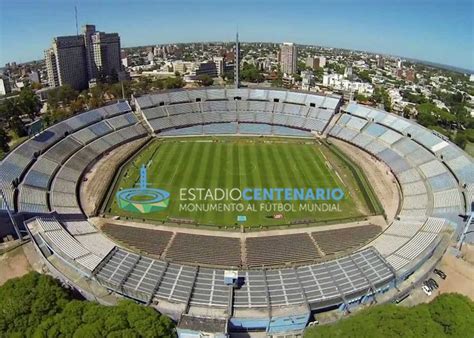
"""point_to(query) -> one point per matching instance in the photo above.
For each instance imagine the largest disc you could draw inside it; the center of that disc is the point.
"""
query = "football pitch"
(180, 164)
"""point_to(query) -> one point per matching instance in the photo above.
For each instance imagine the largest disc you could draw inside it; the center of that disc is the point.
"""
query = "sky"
(438, 31)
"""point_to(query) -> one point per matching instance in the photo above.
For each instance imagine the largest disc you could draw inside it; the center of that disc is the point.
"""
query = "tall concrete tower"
(237, 62)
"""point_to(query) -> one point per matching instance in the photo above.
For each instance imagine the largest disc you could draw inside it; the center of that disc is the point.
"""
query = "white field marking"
(328, 165)
(174, 173)
(334, 170)
(337, 174)
(323, 155)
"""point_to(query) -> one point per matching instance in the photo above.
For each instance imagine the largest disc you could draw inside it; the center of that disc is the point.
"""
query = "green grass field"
(469, 148)
(244, 162)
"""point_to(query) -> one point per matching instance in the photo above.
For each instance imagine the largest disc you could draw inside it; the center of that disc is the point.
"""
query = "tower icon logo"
(143, 199)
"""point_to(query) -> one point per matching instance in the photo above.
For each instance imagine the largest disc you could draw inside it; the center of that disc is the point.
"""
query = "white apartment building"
(307, 79)
(4, 86)
(337, 81)
(220, 64)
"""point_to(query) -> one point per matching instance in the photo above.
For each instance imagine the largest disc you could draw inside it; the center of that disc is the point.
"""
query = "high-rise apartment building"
(380, 62)
(288, 55)
(220, 65)
(321, 61)
(67, 53)
(312, 62)
(399, 64)
(75, 60)
(4, 86)
(410, 75)
(51, 67)
(315, 62)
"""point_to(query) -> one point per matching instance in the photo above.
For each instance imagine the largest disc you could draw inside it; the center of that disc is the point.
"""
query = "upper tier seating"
(216, 106)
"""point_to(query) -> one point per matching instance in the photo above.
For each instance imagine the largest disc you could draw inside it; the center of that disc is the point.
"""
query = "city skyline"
(444, 34)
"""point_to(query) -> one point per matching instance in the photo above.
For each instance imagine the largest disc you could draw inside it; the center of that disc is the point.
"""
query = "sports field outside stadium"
(179, 164)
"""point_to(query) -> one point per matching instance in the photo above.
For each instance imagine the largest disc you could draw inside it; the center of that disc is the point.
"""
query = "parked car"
(402, 298)
(429, 285)
(433, 282)
(426, 290)
(440, 273)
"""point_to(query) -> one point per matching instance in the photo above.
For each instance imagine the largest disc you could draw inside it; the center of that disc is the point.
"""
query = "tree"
(36, 305)
(9, 108)
(318, 74)
(64, 94)
(174, 82)
(4, 139)
(96, 96)
(361, 98)
(381, 96)
(429, 114)
(448, 315)
(278, 81)
(13, 109)
(28, 102)
(414, 98)
(229, 75)
(127, 319)
(17, 126)
(36, 85)
(205, 80)
(406, 111)
(142, 86)
(25, 302)
(116, 89)
(300, 66)
(251, 73)
(469, 134)
(55, 115)
(336, 68)
(364, 75)
(460, 139)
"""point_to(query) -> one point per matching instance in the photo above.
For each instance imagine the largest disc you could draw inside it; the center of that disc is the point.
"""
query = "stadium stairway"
(170, 243)
(243, 252)
(143, 122)
(331, 123)
(318, 248)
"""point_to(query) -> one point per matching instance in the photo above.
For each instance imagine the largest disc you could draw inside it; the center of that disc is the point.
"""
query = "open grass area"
(229, 163)
(470, 148)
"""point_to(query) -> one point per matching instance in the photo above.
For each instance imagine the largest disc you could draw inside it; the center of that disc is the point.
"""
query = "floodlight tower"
(237, 61)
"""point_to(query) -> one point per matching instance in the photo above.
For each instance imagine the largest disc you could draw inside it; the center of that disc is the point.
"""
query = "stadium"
(100, 195)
